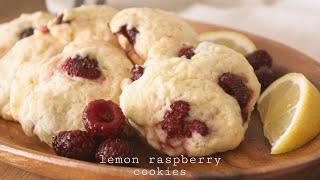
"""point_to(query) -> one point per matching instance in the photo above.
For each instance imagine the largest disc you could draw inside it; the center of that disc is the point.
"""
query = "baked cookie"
(65, 84)
(19, 28)
(32, 49)
(137, 29)
(85, 22)
(191, 100)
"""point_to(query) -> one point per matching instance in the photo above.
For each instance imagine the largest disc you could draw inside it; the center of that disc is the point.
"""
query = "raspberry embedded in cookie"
(59, 19)
(44, 29)
(130, 34)
(137, 72)
(186, 51)
(84, 67)
(103, 118)
(234, 86)
(26, 33)
(195, 126)
(175, 126)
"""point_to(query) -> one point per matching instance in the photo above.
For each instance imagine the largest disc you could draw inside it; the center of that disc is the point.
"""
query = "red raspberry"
(195, 126)
(234, 86)
(130, 34)
(114, 148)
(265, 76)
(259, 58)
(175, 126)
(84, 67)
(103, 118)
(26, 33)
(186, 51)
(137, 72)
(44, 29)
(74, 144)
(59, 19)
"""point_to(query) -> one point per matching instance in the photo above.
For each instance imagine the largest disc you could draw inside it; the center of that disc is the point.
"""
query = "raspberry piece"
(84, 67)
(265, 76)
(103, 118)
(130, 34)
(259, 58)
(178, 111)
(59, 19)
(173, 118)
(234, 86)
(137, 72)
(175, 126)
(114, 148)
(26, 33)
(186, 51)
(195, 126)
(74, 144)
(44, 29)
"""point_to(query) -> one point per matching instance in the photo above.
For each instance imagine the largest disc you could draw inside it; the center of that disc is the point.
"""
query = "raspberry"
(265, 76)
(179, 111)
(175, 126)
(74, 144)
(59, 19)
(130, 34)
(195, 126)
(84, 67)
(44, 29)
(114, 148)
(103, 118)
(259, 58)
(26, 33)
(137, 72)
(186, 51)
(234, 86)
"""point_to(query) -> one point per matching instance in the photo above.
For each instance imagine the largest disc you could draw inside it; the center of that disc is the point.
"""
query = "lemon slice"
(289, 110)
(234, 40)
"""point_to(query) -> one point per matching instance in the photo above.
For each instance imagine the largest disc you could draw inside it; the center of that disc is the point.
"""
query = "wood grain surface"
(250, 160)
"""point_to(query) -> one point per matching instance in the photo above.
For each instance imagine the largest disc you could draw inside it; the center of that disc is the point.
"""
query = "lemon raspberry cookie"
(191, 100)
(137, 29)
(85, 22)
(32, 49)
(21, 27)
(65, 84)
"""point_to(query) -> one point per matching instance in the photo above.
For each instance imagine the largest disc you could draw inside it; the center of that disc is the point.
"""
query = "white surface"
(295, 23)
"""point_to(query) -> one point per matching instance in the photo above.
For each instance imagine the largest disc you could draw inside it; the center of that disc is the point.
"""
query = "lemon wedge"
(231, 39)
(289, 110)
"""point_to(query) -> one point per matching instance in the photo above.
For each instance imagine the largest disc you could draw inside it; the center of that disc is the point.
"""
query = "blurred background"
(295, 23)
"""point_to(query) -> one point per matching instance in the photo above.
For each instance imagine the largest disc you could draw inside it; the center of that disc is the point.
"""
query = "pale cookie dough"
(167, 79)
(85, 22)
(19, 28)
(32, 49)
(146, 26)
(56, 102)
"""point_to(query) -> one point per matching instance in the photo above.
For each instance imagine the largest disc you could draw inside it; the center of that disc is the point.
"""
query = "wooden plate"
(251, 159)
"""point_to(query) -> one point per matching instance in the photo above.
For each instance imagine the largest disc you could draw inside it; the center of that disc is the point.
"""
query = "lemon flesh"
(231, 39)
(289, 112)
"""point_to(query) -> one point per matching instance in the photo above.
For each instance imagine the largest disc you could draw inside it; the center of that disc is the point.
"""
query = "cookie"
(137, 29)
(190, 100)
(65, 84)
(19, 28)
(32, 49)
(85, 22)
